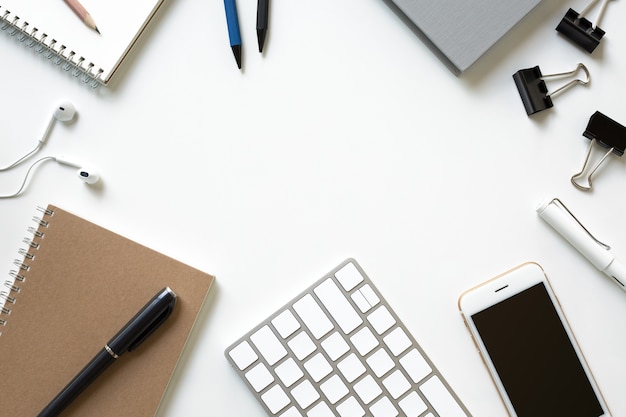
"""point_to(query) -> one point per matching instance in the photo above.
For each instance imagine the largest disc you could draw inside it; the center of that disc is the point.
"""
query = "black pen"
(145, 322)
(262, 12)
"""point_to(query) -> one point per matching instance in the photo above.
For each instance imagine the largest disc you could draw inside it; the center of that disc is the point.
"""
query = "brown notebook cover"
(81, 286)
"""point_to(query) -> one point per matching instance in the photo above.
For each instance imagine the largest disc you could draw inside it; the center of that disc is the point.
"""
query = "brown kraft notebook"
(77, 285)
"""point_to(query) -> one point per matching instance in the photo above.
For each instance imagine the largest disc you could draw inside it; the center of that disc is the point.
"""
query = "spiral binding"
(49, 47)
(12, 287)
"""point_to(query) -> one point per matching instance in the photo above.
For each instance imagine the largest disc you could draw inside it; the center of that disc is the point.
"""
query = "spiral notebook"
(75, 287)
(52, 29)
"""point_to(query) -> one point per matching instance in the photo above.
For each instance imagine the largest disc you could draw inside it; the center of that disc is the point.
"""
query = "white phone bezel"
(505, 286)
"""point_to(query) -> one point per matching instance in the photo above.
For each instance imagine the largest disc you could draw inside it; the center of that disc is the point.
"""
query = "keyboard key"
(365, 298)
(367, 389)
(302, 345)
(413, 405)
(415, 365)
(292, 412)
(243, 355)
(361, 302)
(313, 316)
(348, 276)
(351, 367)
(335, 346)
(320, 410)
(338, 306)
(285, 324)
(380, 362)
(383, 408)
(364, 341)
(289, 372)
(369, 295)
(268, 344)
(305, 394)
(396, 384)
(334, 389)
(275, 399)
(441, 399)
(350, 408)
(381, 320)
(259, 377)
(397, 341)
(318, 367)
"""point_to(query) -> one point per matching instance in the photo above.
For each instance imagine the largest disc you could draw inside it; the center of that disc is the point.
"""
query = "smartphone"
(530, 351)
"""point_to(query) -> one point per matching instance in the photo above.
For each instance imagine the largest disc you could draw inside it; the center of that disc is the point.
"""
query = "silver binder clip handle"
(600, 13)
(573, 82)
(580, 174)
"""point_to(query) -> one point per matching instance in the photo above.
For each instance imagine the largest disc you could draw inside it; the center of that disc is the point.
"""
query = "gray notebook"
(461, 31)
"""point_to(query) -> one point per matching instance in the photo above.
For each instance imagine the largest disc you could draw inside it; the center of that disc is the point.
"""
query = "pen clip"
(560, 203)
(155, 325)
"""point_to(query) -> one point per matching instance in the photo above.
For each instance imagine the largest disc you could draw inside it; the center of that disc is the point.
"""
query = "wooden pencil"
(82, 13)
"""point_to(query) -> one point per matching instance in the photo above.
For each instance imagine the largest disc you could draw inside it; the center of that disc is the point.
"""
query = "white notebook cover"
(120, 23)
(461, 31)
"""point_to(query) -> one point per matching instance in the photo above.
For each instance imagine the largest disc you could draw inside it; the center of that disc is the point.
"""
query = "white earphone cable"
(46, 158)
(25, 157)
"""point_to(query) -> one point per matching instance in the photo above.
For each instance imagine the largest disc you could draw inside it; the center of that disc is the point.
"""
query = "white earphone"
(85, 173)
(64, 112)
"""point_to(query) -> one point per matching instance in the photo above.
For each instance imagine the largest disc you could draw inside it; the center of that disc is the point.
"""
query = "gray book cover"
(461, 31)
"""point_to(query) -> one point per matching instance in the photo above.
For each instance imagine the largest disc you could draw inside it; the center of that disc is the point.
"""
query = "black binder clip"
(608, 134)
(581, 31)
(534, 92)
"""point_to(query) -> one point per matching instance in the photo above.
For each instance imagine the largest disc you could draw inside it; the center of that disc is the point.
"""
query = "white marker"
(563, 221)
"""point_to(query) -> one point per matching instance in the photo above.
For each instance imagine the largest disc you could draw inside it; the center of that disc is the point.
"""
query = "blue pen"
(233, 29)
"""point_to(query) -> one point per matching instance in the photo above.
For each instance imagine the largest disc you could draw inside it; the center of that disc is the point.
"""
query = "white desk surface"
(346, 138)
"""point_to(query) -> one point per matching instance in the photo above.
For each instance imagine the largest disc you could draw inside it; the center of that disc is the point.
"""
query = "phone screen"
(534, 357)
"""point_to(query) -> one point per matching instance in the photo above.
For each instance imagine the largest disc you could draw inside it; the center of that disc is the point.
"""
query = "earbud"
(63, 112)
(85, 173)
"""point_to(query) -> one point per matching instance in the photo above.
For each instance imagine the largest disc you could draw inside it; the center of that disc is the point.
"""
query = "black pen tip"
(98, 31)
(260, 34)
(237, 53)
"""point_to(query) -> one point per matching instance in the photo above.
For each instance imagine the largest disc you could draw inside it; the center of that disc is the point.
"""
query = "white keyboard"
(338, 349)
